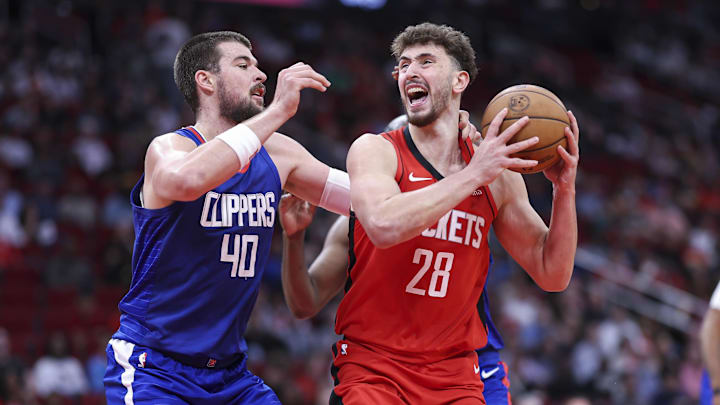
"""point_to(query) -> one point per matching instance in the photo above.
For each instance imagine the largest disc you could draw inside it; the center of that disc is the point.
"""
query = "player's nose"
(412, 70)
(260, 76)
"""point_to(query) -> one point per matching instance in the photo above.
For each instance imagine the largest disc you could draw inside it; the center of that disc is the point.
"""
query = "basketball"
(548, 119)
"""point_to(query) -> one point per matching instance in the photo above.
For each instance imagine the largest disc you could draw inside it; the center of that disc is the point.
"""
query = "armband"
(243, 141)
(715, 300)
(336, 194)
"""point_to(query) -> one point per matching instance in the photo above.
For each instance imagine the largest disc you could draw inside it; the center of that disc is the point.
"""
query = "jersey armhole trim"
(491, 201)
(270, 162)
(139, 206)
(400, 170)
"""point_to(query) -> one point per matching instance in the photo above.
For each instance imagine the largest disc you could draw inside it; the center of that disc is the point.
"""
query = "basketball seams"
(529, 91)
(544, 147)
(529, 116)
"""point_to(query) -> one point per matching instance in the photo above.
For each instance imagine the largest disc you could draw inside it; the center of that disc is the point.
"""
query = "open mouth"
(416, 94)
(258, 91)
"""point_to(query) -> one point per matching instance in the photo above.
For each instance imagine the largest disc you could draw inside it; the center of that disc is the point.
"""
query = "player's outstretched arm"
(307, 291)
(710, 343)
(390, 216)
(177, 171)
(546, 254)
(309, 178)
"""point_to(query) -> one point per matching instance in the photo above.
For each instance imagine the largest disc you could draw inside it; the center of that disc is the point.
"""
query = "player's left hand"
(563, 173)
(467, 129)
(295, 214)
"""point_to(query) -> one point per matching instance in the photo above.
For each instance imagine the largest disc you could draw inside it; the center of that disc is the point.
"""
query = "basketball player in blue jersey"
(308, 290)
(204, 212)
(710, 345)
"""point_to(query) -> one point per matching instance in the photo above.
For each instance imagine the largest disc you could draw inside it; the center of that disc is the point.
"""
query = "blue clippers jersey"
(197, 265)
(494, 341)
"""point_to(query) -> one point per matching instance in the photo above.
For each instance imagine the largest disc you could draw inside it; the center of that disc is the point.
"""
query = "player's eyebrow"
(425, 55)
(420, 56)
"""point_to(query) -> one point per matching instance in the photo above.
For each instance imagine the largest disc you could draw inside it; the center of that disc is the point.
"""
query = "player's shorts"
(140, 375)
(363, 376)
(706, 395)
(494, 375)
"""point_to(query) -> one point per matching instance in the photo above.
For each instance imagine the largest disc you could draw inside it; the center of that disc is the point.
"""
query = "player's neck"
(212, 126)
(437, 141)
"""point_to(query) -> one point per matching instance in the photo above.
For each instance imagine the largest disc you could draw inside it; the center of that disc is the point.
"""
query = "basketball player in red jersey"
(423, 202)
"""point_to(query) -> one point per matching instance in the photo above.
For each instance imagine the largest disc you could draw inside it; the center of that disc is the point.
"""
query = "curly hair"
(456, 44)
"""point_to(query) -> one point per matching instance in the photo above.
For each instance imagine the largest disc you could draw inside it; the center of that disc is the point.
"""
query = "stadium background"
(85, 85)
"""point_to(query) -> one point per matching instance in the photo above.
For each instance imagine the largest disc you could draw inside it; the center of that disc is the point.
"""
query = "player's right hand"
(295, 214)
(293, 79)
(492, 155)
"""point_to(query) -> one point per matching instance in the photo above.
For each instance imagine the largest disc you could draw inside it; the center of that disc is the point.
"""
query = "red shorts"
(363, 376)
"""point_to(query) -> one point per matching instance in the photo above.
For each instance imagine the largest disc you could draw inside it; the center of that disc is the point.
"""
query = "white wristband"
(336, 194)
(715, 299)
(243, 141)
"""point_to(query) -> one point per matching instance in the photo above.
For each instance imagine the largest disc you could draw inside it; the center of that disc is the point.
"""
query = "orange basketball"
(548, 119)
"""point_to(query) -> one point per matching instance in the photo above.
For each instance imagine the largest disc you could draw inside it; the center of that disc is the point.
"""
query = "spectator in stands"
(12, 373)
(710, 341)
(88, 76)
(58, 372)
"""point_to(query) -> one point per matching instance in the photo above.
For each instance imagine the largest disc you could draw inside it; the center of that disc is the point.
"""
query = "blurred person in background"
(204, 212)
(12, 374)
(58, 372)
(648, 146)
(710, 344)
(578, 400)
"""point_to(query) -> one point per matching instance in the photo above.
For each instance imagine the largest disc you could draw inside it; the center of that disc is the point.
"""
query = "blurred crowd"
(85, 86)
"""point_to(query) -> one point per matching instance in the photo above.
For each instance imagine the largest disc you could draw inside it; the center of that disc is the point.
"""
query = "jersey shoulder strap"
(192, 134)
(392, 137)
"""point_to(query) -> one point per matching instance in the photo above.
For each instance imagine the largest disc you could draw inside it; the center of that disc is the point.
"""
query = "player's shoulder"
(507, 185)
(370, 153)
(172, 140)
(371, 142)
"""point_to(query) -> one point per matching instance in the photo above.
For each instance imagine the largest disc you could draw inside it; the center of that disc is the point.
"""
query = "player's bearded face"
(238, 108)
(439, 99)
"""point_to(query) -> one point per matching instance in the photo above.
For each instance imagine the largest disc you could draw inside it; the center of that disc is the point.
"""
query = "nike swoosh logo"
(413, 178)
(476, 368)
(489, 374)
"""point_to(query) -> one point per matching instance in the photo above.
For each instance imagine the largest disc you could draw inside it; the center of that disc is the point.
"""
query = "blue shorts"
(706, 395)
(140, 375)
(494, 375)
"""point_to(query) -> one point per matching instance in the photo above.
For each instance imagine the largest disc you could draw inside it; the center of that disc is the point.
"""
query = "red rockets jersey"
(417, 301)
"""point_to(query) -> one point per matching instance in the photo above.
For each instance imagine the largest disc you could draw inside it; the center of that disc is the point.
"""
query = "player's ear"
(205, 81)
(461, 81)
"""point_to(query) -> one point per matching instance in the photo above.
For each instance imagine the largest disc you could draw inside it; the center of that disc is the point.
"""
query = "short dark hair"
(456, 44)
(200, 53)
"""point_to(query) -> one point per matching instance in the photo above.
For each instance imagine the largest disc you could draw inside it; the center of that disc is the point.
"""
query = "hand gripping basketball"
(563, 174)
(492, 155)
(548, 120)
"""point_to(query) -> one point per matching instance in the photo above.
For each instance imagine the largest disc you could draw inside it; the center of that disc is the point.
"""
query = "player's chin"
(259, 102)
(420, 119)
